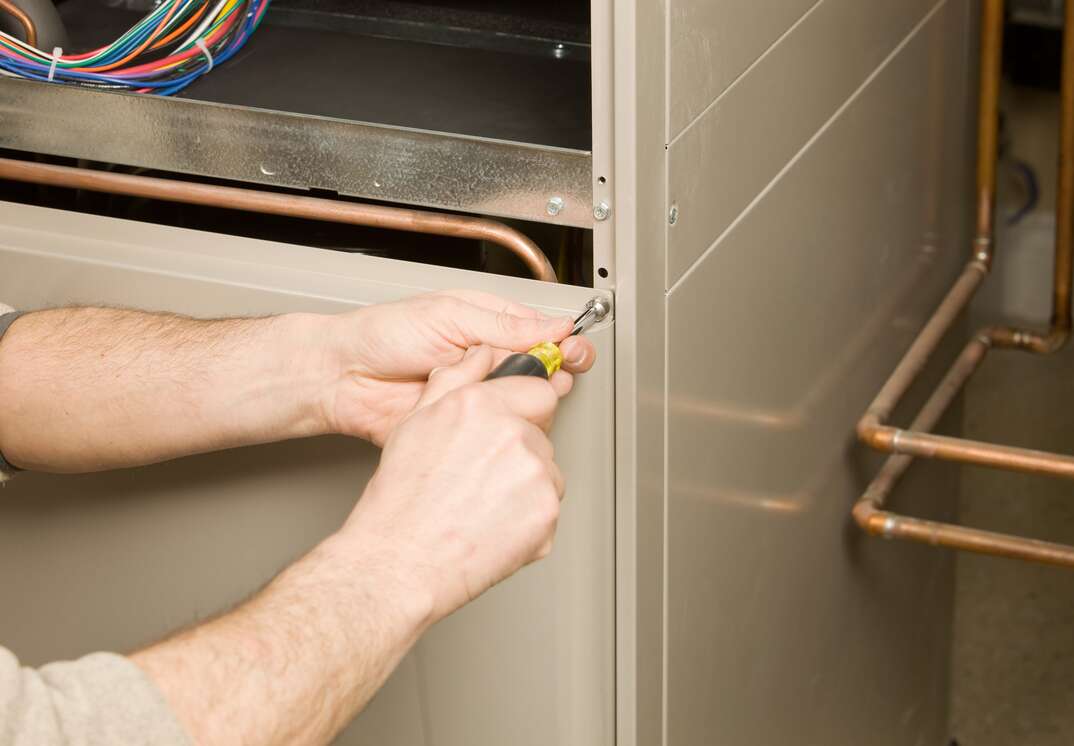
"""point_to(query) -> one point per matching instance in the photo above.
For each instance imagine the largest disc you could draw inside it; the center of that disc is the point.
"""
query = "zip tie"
(56, 53)
(205, 50)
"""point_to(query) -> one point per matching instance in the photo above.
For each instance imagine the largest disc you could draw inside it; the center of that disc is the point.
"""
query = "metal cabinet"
(111, 561)
(784, 197)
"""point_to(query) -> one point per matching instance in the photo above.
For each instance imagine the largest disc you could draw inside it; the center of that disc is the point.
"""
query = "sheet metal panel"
(712, 42)
(116, 560)
(772, 112)
(393, 164)
(785, 625)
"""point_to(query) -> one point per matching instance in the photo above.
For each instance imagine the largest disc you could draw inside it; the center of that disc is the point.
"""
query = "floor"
(1013, 665)
(1013, 658)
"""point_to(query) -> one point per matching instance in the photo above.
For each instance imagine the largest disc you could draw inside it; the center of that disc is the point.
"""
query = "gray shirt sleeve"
(99, 699)
(7, 318)
(102, 698)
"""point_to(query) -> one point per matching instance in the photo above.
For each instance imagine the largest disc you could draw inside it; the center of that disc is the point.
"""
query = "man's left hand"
(382, 355)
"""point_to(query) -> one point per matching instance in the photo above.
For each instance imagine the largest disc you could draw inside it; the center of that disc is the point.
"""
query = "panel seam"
(737, 78)
(809, 143)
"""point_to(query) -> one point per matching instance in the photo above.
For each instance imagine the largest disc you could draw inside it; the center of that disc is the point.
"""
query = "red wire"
(157, 64)
(112, 66)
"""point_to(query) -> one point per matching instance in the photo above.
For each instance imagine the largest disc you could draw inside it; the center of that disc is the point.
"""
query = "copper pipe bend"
(271, 203)
(27, 23)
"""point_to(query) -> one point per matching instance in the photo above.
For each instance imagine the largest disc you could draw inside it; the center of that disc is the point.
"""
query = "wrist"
(310, 353)
(352, 398)
(374, 570)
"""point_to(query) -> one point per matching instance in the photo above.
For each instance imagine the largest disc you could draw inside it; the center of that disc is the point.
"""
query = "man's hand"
(84, 389)
(467, 490)
(384, 353)
(466, 493)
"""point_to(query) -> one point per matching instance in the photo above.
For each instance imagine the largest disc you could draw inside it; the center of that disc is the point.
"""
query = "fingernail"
(574, 354)
(434, 371)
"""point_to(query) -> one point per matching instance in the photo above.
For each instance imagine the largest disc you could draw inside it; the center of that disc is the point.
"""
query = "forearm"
(298, 661)
(84, 389)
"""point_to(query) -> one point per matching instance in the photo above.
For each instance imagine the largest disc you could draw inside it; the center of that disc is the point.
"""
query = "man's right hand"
(467, 491)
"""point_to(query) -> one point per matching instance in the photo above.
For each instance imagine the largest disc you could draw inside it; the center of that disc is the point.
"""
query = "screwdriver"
(544, 359)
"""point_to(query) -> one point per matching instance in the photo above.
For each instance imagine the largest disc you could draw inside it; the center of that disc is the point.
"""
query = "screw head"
(602, 211)
(554, 206)
(559, 51)
(673, 215)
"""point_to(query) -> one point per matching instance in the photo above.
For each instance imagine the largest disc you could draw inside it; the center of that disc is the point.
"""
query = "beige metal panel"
(641, 237)
(730, 154)
(115, 560)
(602, 15)
(784, 624)
(712, 42)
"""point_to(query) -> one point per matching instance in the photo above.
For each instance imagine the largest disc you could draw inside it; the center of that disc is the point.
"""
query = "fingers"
(579, 354)
(495, 303)
(474, 366)
(529, 397)
(482, 318)
(477, 325)
(562, 382)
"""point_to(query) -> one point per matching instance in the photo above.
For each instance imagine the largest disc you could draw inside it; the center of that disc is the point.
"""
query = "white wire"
(175, 18)
(45, 56)
(24, 45)
(203, 25)
(160, 9)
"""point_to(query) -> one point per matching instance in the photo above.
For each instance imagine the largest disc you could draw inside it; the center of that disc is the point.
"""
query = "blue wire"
(37, 71)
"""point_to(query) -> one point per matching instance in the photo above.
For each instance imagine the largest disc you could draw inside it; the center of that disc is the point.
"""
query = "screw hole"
(603, 272)
(601, 180)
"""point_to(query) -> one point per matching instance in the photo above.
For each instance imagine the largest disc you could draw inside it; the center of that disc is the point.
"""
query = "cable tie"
(56, 53)
(200, 42)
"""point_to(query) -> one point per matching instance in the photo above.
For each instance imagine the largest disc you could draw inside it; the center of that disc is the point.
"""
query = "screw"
(559, 51)
(673, 215)
(554, 206)
(602, 211)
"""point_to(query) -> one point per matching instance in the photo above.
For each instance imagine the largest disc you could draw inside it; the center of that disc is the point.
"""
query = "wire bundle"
(174, 45)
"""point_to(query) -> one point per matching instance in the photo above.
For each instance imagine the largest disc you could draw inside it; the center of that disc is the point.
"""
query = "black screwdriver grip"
(519, 364)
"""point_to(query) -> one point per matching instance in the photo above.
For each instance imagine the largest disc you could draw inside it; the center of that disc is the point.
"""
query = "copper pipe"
(27, 23)
(965, 451)
(878, 490)
(270, 203)
(991, 61)
(917, 441)
(1064, 202)
(915, 359)
(893, 526)
(868, 511)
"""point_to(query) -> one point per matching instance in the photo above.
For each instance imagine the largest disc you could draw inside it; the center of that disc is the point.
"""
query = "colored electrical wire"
(167, 50)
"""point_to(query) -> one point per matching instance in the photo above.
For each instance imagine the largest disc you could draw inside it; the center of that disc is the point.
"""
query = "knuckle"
(545, 397)
(544, 550)
(471, 399)
(507, 323)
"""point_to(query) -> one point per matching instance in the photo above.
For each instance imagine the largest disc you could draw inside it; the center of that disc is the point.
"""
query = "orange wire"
(163, 22)
(186, 24)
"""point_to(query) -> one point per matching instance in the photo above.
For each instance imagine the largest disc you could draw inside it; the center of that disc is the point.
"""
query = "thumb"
(474, 366)
(508, 331)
